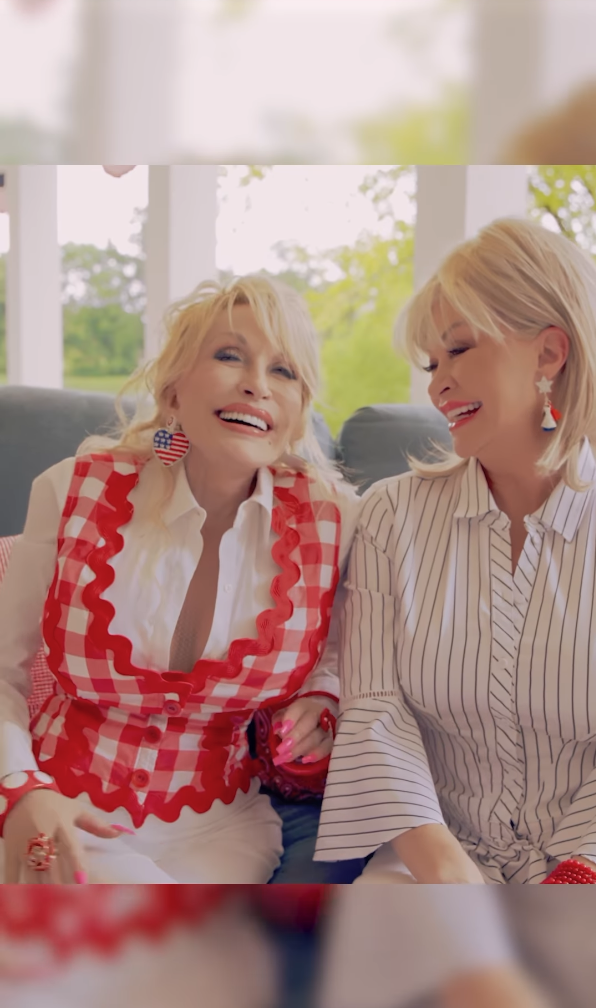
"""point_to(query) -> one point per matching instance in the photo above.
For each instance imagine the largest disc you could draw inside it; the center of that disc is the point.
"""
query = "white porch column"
(124, 104)
(180, 238)
(33, 295)
(528, 56)
(454, 202)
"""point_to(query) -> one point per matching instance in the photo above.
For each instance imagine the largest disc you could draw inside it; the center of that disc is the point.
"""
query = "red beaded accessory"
(571, 872)
(41, 852)
(16, 785)
(293, 781)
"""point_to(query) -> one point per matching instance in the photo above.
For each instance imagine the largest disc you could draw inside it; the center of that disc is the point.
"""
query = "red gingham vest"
(93, 735)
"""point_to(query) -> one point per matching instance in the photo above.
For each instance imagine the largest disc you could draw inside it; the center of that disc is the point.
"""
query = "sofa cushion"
(39, 427)
(42, 678)
(375, 441)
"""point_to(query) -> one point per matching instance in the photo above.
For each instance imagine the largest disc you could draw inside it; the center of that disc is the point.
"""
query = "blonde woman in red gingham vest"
(183, 577)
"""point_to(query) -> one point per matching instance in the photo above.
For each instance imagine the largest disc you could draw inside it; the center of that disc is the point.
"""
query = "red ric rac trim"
(213, 761)
(109, 520)
(56, 923)
(44, 926)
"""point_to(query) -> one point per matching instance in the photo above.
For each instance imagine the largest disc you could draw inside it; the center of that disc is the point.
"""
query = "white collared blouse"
(468, 692)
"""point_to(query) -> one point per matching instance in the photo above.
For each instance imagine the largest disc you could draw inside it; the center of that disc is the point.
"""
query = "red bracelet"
(571, 872)
(330, 696)
(14, 786)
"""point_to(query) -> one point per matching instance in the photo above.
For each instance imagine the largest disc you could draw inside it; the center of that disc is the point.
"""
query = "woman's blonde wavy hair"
(281, 314)
(517, 277)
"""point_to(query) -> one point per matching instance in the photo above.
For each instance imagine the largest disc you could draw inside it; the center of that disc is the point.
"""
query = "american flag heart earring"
(550, 415)
(170, 443)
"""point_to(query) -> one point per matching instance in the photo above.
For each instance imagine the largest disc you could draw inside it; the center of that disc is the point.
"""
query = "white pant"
(225, 962)
(236, 843)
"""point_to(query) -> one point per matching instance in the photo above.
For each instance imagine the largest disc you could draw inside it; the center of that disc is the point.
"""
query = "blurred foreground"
(372, 947)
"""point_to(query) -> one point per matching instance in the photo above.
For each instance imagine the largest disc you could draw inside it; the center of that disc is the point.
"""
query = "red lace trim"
(211, 768)
(41, 927)
(109, 520)
(118, 487)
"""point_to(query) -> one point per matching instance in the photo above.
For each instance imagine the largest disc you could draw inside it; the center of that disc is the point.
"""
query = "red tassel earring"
(550, 415)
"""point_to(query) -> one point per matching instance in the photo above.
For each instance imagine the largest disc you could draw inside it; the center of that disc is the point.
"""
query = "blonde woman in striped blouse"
(467, 746)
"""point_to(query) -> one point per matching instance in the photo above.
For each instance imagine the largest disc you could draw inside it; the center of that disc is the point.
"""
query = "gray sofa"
(39, 427)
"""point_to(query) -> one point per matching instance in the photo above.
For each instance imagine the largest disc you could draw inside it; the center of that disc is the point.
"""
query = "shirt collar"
(182, 500)
(562, 511)
(475, 498)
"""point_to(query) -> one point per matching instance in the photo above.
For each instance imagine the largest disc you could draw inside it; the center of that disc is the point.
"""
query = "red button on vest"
(172, 708)
(139, 779)
(153, 734)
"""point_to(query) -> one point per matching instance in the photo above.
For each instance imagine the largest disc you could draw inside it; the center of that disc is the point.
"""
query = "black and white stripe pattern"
(469, 693)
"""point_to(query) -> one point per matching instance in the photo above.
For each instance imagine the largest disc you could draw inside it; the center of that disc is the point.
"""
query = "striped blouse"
(469, 692)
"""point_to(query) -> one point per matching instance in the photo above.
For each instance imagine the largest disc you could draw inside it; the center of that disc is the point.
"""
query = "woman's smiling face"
(484, 387)
(242, 402)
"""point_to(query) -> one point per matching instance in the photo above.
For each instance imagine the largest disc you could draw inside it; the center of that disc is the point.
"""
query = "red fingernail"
(310, 759)
(285, 748)
(286, 727)
(123, 829)
(277, 726)
(280, 760)
(80, 878)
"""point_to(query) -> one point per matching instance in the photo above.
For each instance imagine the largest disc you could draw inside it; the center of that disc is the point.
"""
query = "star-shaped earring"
(544, 385)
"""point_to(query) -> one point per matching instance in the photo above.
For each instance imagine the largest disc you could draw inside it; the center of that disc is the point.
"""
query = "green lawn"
(89, 383)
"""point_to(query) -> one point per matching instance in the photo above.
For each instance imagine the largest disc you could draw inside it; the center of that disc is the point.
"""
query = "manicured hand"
(300, 732)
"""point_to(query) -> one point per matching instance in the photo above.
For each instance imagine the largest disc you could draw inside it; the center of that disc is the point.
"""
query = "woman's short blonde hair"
(517, 277)
(564, 133)
(282, 315)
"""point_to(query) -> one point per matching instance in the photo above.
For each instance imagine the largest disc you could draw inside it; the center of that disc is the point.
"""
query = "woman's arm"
(22, 596)
(380, 788)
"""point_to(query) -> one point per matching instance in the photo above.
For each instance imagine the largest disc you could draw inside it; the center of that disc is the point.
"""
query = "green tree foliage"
(94, 277)
(564, 197)
(436, 132)
(104, 297)
(101, 340)
(354, 294)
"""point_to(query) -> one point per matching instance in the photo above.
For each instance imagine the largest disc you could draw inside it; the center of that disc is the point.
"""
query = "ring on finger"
(41, 853)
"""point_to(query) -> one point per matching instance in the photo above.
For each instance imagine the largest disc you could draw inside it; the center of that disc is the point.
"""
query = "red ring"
(41, 851)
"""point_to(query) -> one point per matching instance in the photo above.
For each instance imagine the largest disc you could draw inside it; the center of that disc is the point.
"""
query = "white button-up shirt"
(469, 691)
(152, 574)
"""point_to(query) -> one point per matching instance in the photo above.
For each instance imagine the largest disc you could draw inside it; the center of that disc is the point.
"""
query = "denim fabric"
(300, 823)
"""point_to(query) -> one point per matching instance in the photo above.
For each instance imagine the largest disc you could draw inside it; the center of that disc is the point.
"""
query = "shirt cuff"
(16, 752)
